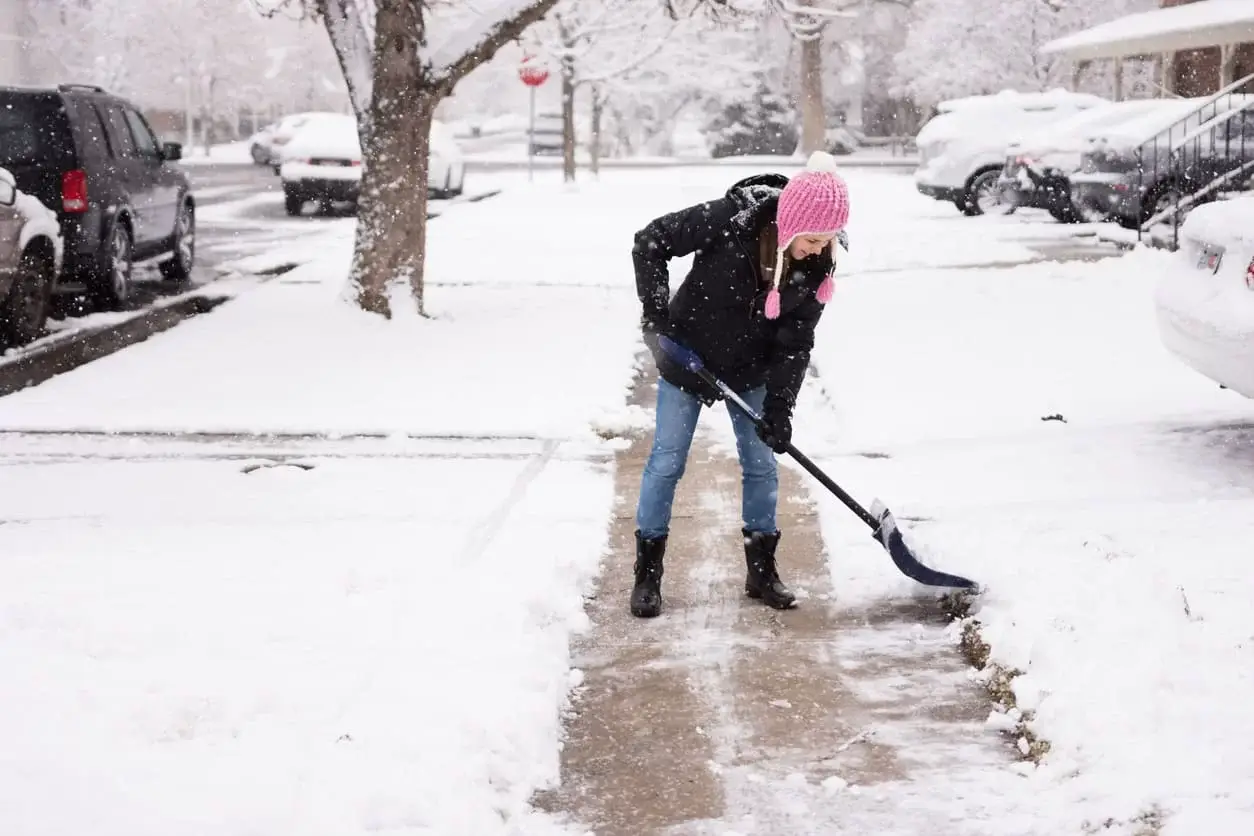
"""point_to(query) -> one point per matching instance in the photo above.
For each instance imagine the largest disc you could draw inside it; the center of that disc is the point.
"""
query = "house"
(1200, 46)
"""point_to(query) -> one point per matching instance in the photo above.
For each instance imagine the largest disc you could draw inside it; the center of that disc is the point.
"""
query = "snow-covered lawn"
(379, 643)
(192, 649)
(227, 152)
(1113, 542)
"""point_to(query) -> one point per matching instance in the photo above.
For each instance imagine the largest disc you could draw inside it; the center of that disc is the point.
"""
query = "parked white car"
(323, 163)
(31, 251)
(962, 150)
(1040, 164)
(446, 168)
(278, 136)
(1205, 300)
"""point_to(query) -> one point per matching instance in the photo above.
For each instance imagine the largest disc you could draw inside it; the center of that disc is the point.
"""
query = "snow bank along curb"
(996, 679)
(64, 351)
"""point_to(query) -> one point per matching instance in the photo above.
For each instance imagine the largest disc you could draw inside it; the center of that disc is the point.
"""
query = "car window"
(33, 129)
(1240, 126)
(89, 130)
(119, 132)
(144, 139)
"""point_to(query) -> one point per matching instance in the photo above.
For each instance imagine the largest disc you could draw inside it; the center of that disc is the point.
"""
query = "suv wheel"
(24, 311)
(984, 196)
(113, 286)
(293, 201)
(183, 245)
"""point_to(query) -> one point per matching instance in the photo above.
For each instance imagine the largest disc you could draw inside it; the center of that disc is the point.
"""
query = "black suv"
(92, 158)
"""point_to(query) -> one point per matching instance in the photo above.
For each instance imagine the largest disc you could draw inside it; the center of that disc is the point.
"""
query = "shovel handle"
(691, 361)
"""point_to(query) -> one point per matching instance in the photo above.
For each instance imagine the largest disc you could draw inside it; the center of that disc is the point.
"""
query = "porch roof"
(1192, 26)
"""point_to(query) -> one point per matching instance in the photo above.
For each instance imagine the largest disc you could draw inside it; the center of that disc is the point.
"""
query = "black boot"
(646, 595)
(763, 581)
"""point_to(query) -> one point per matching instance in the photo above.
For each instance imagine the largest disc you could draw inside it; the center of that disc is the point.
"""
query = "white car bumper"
(1205, 310)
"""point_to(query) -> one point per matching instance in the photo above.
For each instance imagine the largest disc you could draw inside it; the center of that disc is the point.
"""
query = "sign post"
(533, 74)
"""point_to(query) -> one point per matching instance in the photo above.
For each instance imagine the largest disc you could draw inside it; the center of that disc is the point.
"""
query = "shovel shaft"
(801, 458)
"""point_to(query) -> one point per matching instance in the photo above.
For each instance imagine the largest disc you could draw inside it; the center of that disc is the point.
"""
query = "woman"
(765, 253)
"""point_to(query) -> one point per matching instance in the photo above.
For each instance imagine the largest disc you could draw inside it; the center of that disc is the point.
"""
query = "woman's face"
(804, 246)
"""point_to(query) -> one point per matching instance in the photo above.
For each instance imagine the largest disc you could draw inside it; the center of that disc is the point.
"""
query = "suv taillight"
(74, 191)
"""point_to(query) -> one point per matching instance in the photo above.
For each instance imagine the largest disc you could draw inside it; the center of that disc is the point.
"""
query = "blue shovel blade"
(889, 536)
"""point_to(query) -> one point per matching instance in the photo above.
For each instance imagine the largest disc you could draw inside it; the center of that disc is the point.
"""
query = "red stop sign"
(532, 74)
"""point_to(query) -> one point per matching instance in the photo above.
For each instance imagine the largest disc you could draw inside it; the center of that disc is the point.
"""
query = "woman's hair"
(768, 247)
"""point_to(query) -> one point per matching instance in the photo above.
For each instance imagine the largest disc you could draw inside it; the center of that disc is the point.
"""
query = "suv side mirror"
(172, 151)
(8, 188)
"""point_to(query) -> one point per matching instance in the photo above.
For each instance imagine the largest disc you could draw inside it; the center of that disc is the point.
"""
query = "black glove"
(776, 429)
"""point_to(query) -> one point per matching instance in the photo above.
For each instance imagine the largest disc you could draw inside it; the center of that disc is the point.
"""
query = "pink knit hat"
(815, 202)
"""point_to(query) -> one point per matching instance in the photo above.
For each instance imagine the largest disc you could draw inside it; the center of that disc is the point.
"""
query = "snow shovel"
(883, 525)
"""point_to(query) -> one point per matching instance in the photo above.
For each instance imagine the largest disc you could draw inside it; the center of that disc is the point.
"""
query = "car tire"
(183, 246)
(24, 311)
(260, 155)
(981, 186)
(1065, 214)
(113, 283)
(293, 201)
(461, 186)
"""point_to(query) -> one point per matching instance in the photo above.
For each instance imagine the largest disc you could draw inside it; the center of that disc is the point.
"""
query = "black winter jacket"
(718, 309)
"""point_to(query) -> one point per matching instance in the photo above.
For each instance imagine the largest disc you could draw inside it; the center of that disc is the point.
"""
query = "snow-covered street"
(289, 569)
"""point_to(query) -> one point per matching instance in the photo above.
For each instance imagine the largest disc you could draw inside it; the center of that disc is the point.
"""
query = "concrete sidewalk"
(725, 716)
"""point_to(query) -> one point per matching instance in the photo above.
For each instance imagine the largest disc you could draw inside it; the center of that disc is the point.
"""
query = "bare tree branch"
(515, 18)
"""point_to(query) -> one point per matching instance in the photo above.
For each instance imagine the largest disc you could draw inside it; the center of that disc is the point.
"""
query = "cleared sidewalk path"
(723, 716)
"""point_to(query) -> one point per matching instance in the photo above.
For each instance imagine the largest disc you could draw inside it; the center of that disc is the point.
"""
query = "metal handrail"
(1176, 149)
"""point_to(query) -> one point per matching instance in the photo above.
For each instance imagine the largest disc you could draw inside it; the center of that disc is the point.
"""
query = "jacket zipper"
(753, 270)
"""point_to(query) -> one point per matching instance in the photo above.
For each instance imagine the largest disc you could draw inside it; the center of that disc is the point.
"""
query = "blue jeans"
(677, 414)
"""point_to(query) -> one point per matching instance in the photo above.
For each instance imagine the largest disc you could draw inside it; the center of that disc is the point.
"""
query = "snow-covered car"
(323, 163)
(1205, 297)
(287, 128)
(259, 145)
(1040, 164)
(31, 249)
(962, 150)
(446, 168)
(1134, 171)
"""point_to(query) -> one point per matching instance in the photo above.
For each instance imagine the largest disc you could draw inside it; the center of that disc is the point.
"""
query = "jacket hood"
(756, 198)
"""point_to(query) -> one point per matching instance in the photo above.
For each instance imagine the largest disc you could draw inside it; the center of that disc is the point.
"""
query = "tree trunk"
(392, 209)
(813, 120)
(568, 120)
(598, 105)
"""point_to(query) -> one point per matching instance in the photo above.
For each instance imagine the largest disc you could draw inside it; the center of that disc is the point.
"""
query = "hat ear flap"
(827, 288)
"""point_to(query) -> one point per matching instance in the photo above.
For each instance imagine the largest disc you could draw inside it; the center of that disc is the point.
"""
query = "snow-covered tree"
(400, 59)
(811, 24)
(963, 47)
(211, 59)
(600, 46)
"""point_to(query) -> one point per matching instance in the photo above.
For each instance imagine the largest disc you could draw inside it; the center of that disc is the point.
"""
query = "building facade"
(1200, 72)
